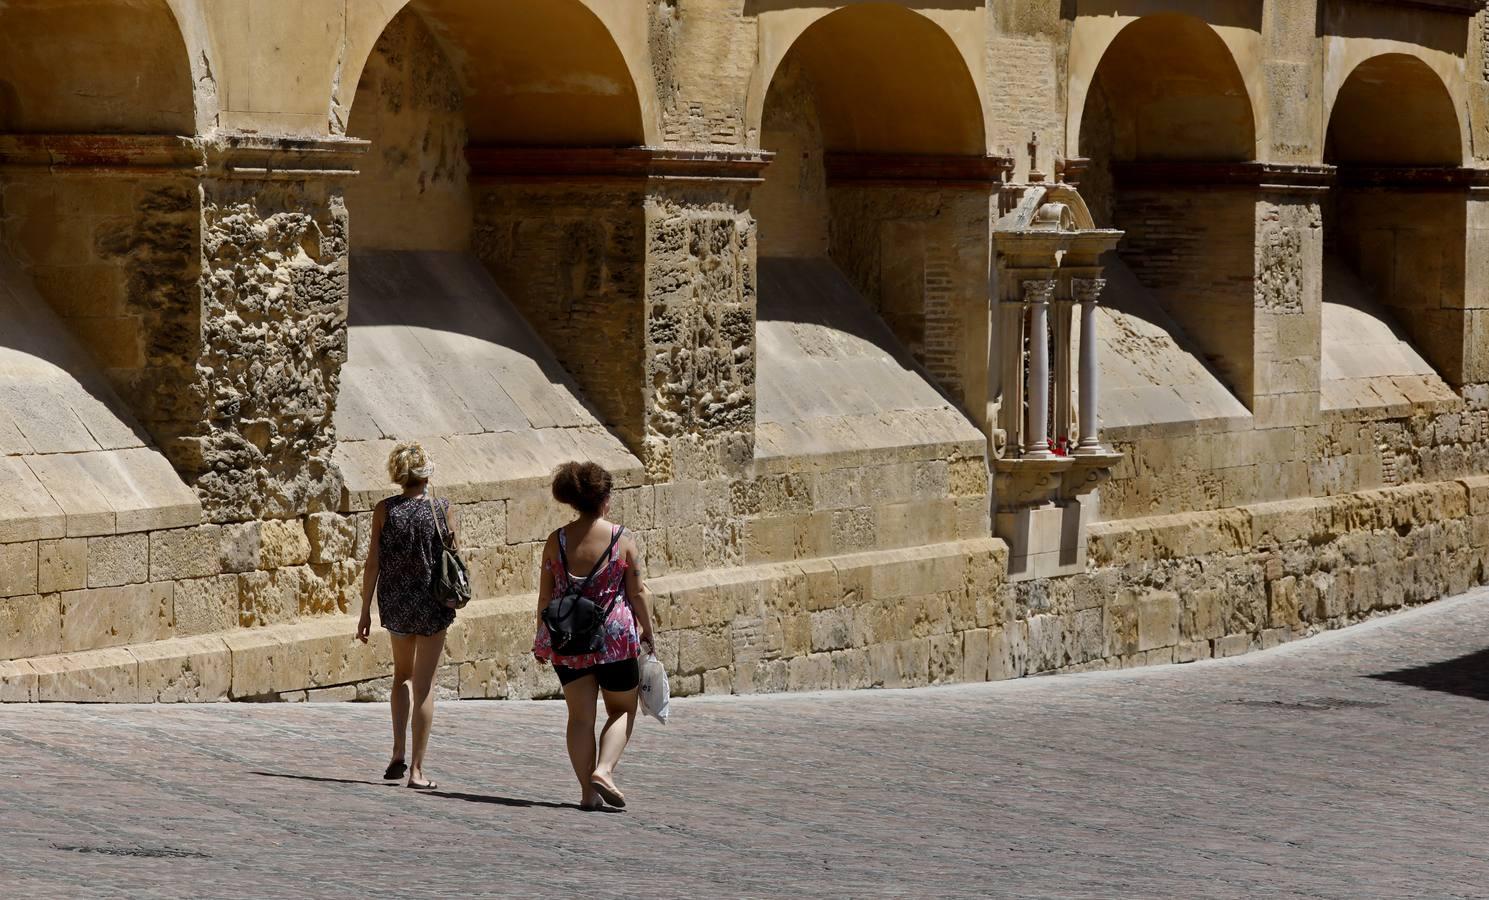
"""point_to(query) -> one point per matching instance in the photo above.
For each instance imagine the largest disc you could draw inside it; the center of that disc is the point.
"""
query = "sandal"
(608, 793)
(395, 770)
(423, 785)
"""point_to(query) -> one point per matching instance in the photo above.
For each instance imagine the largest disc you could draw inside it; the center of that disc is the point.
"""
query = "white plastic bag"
(654, 690)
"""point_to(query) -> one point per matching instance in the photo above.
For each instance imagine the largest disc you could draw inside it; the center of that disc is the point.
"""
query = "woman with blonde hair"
(409, 531)
(592, 545)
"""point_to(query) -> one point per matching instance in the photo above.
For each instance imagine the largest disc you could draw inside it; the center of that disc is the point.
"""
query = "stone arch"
(875, 203)
(538, 73)
(508, 137)
(1168, 88)
(889, 80)
(1393, 109)
(1167, 116)
(1395, 227)
(77, 68)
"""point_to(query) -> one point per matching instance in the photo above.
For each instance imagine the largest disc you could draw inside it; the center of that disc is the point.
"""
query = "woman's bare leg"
(403, 670)
(620, 710)
(426, 662)
(580, 696)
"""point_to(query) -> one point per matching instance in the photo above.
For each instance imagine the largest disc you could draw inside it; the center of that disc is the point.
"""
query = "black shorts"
(616, 677)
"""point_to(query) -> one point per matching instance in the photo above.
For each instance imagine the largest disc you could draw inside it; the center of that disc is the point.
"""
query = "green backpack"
(451, 579)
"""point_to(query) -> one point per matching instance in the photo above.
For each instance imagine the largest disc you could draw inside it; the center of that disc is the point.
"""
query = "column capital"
(1038, 290)
(1087, 290)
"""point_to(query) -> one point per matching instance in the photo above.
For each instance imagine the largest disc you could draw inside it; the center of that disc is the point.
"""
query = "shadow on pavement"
(508, 801)
(330, 780)
(1466, 676)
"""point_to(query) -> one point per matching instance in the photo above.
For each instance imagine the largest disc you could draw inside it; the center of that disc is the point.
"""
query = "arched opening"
(101, 258)
(865, 97)
(1395, 226)
(108, 67)
(1166, 121)
(483, 267)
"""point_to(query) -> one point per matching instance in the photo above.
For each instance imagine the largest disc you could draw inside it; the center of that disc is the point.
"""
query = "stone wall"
(118, 259)
(274, 301)
(1161, 589)
(571, 256)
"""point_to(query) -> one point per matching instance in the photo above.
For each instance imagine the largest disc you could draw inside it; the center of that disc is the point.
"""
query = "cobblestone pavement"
(1291, 773)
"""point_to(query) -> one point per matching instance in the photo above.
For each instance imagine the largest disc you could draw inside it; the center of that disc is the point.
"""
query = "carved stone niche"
(1048, 454)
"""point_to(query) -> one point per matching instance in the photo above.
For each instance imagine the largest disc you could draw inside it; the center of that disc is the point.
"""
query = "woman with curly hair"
(408, 532)
(609, 556)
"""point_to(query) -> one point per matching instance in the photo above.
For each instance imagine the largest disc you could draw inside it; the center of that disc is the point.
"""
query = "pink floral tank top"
(622, 640)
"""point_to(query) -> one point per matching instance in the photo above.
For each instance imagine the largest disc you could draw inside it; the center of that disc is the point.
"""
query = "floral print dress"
(408, 549)
(622, 641)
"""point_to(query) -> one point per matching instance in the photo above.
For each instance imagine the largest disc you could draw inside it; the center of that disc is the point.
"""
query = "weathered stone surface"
(30, 626)
(117, 560)
(111, 616)
(332, 537)
(18, 569)
(283, 542)
(62, 565)
(204, 605)
(185, 670)
(185, 553)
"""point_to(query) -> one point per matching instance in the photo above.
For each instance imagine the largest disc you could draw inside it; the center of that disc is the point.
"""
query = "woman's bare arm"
(636, 591)
(369, 572)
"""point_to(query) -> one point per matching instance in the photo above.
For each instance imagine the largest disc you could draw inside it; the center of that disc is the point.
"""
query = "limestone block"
(87, 510)
(17, 682)
(181, 553)
(967, 477)
(332, 536)
(977, 647)
(330, 588)
(110, 616)
(1158, 620)
(364, 534)
(1203, 615)
(184, 670)
(267, 598)
(1191, 651)
(851, 670)
(810, 673)
(266, 661)
(718, 681)
(482, 679)
(141, 488)
(1233, 645)
(686, 685)
(1476, 489)
(108, 676)
(205, 605)
(118, 559)
(1085, 636)
(18, 569)
(832, 629)
(700, 649)
(30, 626)
(1046, 643)
(1008, 652)
(913, 658)
(765, 677)
(504, 571)
(1272, 637)
(527, 679)
(532, 516)
(483, 524)
(916, 524)
(944, 661)
(1122, 625)
(283, 542)
(345, 693)
(769, 539)
(238, 547)
(333, 655)
(1282, 602)
(62, 565)
(27, 510)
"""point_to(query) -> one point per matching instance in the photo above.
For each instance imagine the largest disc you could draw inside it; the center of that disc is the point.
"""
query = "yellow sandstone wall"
(786, 361)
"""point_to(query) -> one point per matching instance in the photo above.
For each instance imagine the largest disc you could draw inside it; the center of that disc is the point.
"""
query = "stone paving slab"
(1289, 773)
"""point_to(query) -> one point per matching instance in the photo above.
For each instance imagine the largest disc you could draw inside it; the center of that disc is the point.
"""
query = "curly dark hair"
(582, 485)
